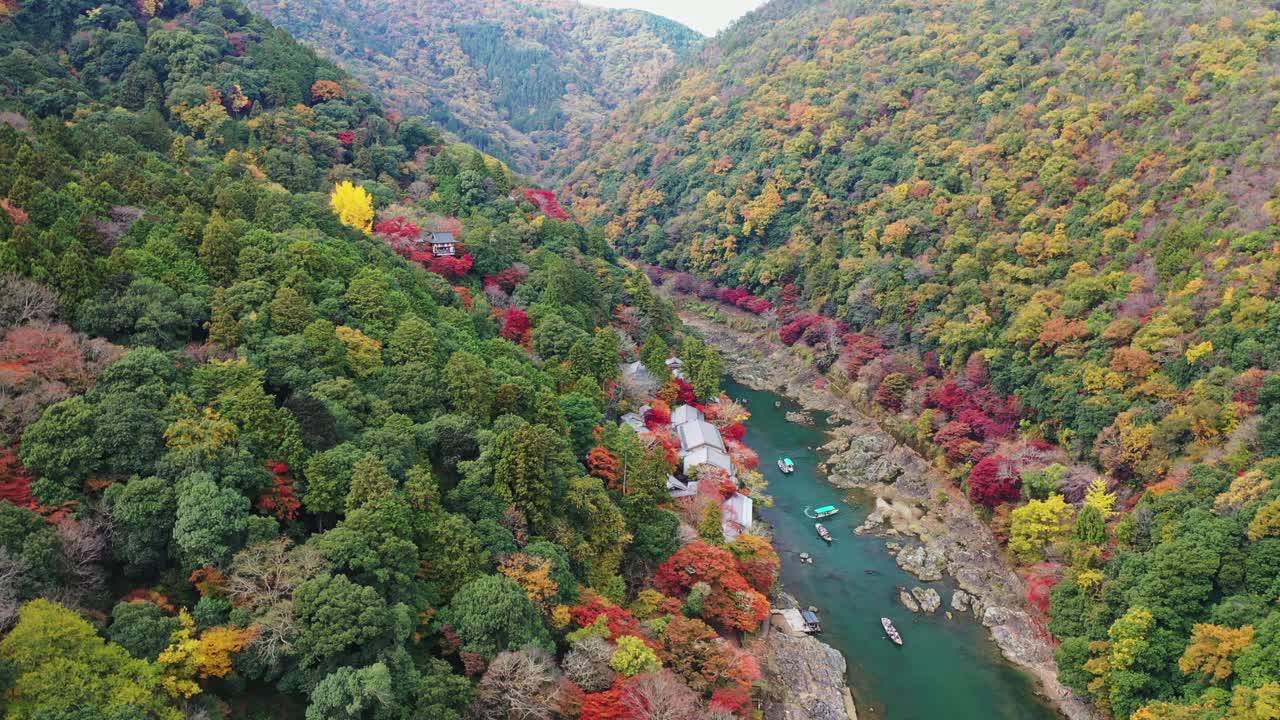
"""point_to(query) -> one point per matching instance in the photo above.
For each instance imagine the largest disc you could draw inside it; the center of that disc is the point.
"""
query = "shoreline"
(913, 501)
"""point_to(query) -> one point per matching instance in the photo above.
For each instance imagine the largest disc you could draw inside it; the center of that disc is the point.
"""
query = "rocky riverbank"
(914, 502)
(806, 676)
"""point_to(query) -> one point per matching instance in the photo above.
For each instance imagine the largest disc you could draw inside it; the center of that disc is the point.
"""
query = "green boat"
(824, 511)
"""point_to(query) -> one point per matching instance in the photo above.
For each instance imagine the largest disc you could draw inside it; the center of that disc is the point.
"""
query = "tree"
(492, 614)
(143, 510)
(210, 522)
(661, 696)
(633, 657)
(1089, 527)
(342, 623)
(519, 684)
(1266, 523)
(350, 694)
(469, 385)
(60, 665)
(587, 664)
(1037, 524)
(291, 312)
(61, 448)
(370, 483)
(354, 206)
(142, 628)
(530, 465)
(994, 481)
(1213, 649)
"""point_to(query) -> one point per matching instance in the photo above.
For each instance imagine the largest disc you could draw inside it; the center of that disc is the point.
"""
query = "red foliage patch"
(546, 202)
(620, 621)
(732, 602)
(993, 481)
(605, 705)
(508, 279)
(602, 464)
(658, 415)
(279, 499)
(15, 480)
(346, 137)
(515, 325)
(732, 699)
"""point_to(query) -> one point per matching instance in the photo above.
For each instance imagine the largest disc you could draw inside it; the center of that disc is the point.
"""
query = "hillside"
(1040, 241)
(515, 78)
(307, 413)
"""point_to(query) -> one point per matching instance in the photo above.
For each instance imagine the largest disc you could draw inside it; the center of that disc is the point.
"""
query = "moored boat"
(786, 466)
(822, 531)
(891, 631)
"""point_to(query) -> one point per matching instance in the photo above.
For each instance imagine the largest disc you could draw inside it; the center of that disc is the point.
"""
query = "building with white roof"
(698, 433)
(735, 516)
(706, 455)
(686, 413)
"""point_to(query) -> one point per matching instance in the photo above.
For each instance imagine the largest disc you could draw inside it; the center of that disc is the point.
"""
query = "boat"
(822, 532)
(811, 622)
(786, 466)
(824, 511)
(891, 631)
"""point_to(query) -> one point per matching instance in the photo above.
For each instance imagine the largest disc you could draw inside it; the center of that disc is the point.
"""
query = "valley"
(431, 360)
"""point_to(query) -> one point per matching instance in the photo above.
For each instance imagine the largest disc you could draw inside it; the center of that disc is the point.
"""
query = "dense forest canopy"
(308, 413)
(1041, 241)
(516, 78)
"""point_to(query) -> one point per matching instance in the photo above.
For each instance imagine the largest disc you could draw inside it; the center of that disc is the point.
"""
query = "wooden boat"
(786, 466)
(822, 532)
(826, 511)
(891, 631)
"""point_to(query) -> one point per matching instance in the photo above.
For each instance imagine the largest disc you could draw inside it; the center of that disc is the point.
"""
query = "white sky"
(706, 16)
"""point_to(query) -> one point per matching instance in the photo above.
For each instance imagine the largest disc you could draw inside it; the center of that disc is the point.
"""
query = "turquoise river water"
(947, 669)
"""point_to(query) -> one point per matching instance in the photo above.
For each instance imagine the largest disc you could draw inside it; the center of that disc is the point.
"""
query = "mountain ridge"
(515, 78)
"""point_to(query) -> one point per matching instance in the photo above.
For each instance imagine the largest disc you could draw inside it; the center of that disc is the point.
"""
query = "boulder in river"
(960, 600)
(923, 561)
(908, 601)
(799, 418)
(928, 599)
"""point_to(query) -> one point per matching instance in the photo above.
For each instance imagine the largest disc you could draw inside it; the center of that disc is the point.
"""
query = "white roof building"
(735, 516)
(686, 413)
(679, 489)
(707, 455)
(694, 435)
(635, 421)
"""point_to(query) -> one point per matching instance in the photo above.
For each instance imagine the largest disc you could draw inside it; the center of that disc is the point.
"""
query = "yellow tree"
(354, 206)
(1213, 650)
(1037, 524)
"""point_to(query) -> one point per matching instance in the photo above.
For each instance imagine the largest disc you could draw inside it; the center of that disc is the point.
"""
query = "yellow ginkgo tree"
(354, 205)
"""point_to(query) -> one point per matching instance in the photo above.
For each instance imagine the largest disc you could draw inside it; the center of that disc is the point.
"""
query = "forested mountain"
(1041, 240)
(267, 452)
(516, 78)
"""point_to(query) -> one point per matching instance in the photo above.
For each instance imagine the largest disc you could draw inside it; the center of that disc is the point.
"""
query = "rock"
(923, 561)
(928, 599)
(809, 676)
(799, 418)
(948, 614)
(960, 600)
(1015, 632)
(908, 601)
(893, 547)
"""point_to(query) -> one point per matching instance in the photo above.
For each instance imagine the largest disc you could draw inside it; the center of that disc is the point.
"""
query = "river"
(947, 669)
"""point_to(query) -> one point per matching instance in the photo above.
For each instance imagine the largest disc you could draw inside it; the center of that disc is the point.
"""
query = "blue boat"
(824, 511)
(786, 466)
